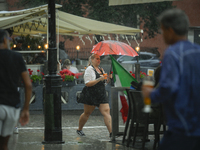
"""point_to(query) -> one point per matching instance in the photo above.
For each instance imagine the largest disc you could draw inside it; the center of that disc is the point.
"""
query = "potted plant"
(68, 77)
(35, 78)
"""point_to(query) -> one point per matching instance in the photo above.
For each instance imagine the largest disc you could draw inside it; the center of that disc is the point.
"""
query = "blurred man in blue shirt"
(179, 84)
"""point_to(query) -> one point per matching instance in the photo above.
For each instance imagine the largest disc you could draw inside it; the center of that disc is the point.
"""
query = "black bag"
(80, 97)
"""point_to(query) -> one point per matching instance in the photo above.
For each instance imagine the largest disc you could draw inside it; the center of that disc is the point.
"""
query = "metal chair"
(139, 118)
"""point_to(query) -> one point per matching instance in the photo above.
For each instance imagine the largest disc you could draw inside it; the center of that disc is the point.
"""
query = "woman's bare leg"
(88, 109)
(105, 111)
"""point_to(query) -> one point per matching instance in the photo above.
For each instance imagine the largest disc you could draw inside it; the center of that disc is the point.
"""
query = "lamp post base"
(53, 142)
(52, 109)
(78, 61)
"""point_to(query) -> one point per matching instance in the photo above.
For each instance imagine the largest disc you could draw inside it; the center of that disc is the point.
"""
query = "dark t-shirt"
(11, 67)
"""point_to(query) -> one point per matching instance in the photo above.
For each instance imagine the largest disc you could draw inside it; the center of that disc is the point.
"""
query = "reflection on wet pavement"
(31, 136)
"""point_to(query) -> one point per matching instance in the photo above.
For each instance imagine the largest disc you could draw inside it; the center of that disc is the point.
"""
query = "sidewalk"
(31, 136)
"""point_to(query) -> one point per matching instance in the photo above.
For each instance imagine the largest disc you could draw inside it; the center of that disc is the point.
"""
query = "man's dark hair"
(175, 19)
(3, 34)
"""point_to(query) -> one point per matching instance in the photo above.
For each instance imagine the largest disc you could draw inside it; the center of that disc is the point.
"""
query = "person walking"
(94, 94)
(179, 84)
(12, 68)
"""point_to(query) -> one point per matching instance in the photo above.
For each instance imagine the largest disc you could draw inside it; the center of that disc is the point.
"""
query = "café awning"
(34, 21)
(128, 2)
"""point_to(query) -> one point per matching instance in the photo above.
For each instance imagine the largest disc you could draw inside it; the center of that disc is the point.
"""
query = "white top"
(89, 74)
(73, 69)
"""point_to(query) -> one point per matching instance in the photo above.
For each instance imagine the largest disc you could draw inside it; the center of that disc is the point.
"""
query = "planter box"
(68, 83)
(35, 83)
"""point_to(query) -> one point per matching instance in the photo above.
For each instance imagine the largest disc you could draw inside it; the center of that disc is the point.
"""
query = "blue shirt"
(179, 88)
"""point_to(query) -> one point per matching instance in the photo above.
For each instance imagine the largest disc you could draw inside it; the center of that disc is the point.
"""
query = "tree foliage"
(69, 6)
(127, 15)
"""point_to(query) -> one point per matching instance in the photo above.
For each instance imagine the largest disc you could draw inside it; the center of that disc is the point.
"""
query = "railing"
(83, 53)
(69, 95)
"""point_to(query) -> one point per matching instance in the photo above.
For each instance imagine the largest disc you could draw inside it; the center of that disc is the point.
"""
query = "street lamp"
(77, 60)
(77, 48)
(138, 51)
(137, 48)
(52, 86)
(137, 65)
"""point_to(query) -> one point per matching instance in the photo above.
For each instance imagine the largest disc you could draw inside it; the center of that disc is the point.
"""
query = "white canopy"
(34, 21)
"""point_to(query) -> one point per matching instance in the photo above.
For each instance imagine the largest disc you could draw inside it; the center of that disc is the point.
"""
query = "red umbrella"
(110, 47)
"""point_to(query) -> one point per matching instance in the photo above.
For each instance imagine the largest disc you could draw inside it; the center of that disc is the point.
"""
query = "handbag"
(80, 97)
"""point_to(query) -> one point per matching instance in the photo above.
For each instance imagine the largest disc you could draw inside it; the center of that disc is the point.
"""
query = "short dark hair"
(3, 34)
(175, 19)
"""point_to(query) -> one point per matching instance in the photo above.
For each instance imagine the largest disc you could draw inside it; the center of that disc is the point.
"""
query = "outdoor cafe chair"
(137, 117)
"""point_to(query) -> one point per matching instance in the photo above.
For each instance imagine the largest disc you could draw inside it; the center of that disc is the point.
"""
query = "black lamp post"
(52, 89)
(137, 65)
(77, 48)
(77, 59)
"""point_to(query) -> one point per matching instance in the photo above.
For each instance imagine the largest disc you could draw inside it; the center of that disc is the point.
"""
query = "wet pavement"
(30, 137)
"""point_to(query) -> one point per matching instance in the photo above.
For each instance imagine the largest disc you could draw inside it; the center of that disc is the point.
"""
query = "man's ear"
(6, 43)
(4, 40)
(171, 30)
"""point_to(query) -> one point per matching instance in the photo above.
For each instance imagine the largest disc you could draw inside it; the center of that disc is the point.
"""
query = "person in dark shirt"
(12, 68)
